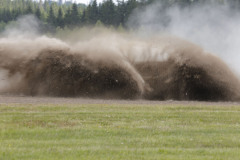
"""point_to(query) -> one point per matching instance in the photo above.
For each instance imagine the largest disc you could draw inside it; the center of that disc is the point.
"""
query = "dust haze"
(155, 61)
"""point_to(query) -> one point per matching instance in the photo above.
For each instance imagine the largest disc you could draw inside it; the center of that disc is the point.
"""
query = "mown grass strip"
(119, 132)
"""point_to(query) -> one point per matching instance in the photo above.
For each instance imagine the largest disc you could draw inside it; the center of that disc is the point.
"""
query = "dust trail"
(50, 67)
(189, 74)
(214, 25)
(106, 64)
(114, 66)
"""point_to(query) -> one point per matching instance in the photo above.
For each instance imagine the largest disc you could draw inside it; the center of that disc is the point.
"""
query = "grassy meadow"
(119, 132)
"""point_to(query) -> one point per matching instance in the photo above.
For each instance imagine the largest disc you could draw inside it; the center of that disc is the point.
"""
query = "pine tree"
(121, 13)
(130, 6)
(92, 12)
(83, 17)
(107, 13)
(51, 17)
(67, 18)
(38, 13)
(60, 21)
(75, 15)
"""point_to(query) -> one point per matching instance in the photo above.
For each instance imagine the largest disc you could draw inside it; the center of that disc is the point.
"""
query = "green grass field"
(104, 132)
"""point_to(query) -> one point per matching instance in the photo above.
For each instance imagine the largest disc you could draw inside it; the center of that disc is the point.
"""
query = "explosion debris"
(185, 72)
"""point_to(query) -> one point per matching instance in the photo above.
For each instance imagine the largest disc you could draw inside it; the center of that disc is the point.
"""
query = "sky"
(82, 1)
(86, 1)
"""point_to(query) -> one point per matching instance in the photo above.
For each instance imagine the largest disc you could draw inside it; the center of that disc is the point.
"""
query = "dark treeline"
(69, 14)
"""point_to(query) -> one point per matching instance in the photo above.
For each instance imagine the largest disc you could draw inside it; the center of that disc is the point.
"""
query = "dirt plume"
(170, 80)
(189, 74)
(58, 73)
(115, 67)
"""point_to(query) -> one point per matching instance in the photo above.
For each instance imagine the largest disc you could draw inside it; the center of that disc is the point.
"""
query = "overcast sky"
(80, 1)
(85, 1)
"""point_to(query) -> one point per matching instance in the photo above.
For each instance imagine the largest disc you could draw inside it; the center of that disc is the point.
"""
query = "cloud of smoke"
(25, 26)
(112, 65)
(212, 26)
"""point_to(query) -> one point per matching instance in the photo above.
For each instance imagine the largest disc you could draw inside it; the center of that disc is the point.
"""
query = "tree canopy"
(108, 13)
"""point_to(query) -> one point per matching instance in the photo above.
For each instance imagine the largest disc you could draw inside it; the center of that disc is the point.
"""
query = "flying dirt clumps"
(60, 73)
(184, 82)
(123, 69)
(189, 74)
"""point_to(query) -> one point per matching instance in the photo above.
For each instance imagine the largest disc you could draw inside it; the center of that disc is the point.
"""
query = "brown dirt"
(187, 73)
(7, 99)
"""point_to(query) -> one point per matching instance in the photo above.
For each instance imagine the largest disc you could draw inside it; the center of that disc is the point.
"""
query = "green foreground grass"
(105, 132)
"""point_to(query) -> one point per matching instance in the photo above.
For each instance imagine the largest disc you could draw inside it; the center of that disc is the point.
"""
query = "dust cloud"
(114, 65)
